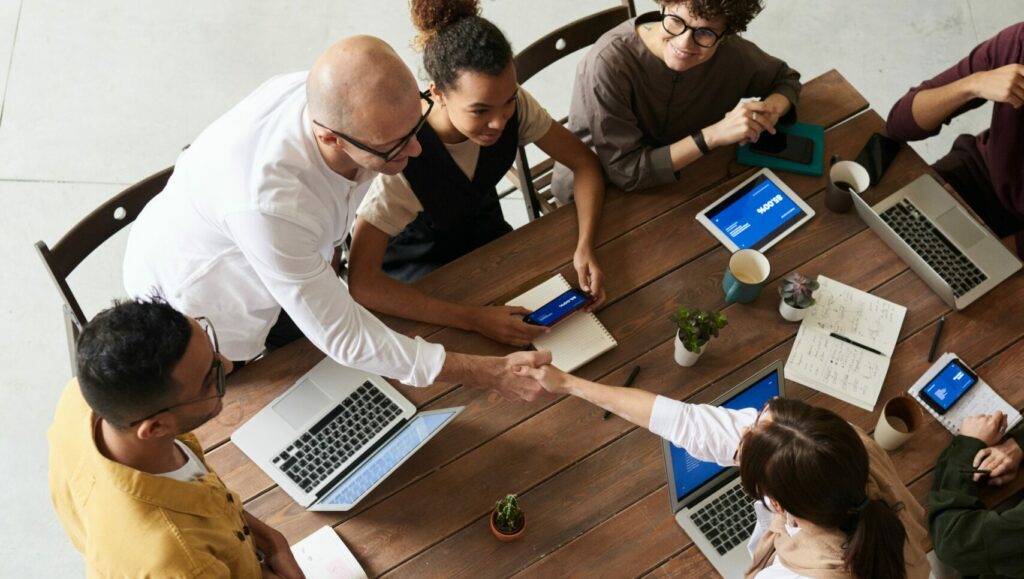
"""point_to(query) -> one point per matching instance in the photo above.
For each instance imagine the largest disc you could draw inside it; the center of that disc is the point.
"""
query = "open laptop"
(335, 435)
(956, 256)
(708, 500)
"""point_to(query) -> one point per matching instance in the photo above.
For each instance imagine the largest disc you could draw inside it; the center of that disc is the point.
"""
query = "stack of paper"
(574, 341)
(851, 369)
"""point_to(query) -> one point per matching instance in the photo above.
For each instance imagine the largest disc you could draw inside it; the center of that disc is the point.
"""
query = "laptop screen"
(389, 457)
(689, 473)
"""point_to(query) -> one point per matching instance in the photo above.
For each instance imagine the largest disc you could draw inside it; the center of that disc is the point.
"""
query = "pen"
(627, 384)
(935, 339)
(858, 344)
(975, 471)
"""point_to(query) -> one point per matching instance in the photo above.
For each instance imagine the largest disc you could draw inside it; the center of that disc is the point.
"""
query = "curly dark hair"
(455, 38)
(125, 358)
(737, 13)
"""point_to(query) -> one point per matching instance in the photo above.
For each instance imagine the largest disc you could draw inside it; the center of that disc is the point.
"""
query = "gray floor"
(98, 94)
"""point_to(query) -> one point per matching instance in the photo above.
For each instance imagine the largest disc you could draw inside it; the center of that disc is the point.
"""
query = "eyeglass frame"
(694, 30)
(394, 151)
(217, 366)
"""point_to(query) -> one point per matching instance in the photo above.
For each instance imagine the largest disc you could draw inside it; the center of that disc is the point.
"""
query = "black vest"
(458, 215)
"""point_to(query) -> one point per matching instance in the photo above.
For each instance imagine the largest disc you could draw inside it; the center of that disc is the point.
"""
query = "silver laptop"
(335, 435)
(708, 500)
(956, 256)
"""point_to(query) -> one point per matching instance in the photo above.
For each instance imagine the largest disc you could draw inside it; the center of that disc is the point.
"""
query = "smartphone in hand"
(559, 308)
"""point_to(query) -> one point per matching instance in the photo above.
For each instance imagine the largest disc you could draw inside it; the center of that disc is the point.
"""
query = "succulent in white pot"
(694, 329)
(796, 292)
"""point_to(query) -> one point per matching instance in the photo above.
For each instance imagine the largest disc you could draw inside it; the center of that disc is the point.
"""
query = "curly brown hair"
(737, 13)
(454, 38)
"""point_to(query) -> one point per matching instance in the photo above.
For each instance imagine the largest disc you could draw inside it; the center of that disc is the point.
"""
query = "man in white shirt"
(247, 226)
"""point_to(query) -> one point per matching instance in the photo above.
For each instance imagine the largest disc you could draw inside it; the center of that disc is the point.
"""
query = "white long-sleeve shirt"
(712, 434)
(248, 224)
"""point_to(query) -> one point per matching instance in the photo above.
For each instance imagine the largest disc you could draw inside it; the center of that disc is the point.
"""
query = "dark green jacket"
(966, 535)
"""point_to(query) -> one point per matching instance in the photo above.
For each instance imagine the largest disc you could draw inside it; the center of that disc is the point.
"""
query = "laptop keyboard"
(728, 520)
(336, 437)
(945, 258)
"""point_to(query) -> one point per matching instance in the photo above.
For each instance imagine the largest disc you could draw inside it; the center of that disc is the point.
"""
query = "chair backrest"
(544, 52)
(90, 233)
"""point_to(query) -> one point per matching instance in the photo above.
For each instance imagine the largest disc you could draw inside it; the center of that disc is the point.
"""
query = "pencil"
(935, 339)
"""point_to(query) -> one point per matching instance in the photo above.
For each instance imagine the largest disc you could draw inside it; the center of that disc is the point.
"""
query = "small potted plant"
(695, 328)
(796, 293)
(507, 521)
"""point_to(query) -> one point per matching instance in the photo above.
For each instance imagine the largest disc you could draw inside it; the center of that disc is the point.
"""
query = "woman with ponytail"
(444, 204)
(832, 504)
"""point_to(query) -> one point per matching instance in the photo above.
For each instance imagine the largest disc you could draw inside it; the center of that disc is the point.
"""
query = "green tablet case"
(815, 133)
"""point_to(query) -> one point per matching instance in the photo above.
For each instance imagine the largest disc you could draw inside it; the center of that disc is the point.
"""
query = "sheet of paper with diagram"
(844, 345)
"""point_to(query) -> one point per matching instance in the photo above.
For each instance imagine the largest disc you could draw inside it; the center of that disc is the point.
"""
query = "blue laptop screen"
(752, 216)
(689, 473)
(385, 460)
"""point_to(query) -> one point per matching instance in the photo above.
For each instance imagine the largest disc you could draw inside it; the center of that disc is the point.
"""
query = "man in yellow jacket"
(128, 479)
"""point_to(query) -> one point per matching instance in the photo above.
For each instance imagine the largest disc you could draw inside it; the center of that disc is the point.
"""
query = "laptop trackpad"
(302, 404)
(964, 231)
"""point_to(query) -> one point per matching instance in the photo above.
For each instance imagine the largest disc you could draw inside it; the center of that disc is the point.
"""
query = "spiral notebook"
(980, 399)
(844, 344)
(575, 341)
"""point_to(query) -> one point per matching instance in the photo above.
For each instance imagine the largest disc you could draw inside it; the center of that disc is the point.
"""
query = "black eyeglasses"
(216, 372)
(676, 26)
(394, 151)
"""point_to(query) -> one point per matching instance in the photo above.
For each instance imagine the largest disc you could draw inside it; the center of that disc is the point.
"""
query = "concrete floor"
(96, 95)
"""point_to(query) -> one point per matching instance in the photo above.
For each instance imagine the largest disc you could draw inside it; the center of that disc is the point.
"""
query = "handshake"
(527, 376)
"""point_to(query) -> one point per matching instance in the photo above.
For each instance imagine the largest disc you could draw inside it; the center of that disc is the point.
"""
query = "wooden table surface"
(594, 490)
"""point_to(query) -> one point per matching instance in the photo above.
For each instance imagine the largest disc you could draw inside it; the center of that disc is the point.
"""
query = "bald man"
(245, 231)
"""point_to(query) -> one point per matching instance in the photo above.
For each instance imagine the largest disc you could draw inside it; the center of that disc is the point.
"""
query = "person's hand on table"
(552, 379)
(988, 428)
(1002, 85)
(590, 275)
(1002, 461)
(743, 124)
(505, 324)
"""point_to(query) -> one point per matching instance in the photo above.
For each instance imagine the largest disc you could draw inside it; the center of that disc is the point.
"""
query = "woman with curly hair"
(659, 91)
(444, 203)
(832, 505)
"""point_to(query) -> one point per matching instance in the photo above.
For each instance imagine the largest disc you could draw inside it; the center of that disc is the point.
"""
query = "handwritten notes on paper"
(838, 368)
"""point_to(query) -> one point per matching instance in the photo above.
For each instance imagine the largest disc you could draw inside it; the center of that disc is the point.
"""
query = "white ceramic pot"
(791, 314)
(685, 357)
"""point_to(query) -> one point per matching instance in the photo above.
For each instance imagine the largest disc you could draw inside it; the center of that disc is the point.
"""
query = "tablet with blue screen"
(756, 214)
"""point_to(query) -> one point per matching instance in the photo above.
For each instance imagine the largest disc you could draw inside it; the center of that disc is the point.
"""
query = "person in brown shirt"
(660, 90)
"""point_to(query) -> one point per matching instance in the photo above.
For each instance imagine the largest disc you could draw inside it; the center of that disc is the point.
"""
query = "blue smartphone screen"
(950, 384)
(553, 311)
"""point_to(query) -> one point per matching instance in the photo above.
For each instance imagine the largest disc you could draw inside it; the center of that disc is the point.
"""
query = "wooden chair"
(87, 235)
(535, 181)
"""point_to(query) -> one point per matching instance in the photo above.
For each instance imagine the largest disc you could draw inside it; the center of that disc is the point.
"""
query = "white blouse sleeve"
(708, 433)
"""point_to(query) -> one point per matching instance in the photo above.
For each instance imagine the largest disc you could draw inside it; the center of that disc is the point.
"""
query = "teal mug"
(747, 272)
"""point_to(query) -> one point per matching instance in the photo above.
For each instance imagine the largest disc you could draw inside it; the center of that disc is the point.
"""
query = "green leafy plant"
(696, 327)
(508, 518)
(796, 290)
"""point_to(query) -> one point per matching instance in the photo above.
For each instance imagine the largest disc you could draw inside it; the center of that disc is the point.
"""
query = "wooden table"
(594, 490)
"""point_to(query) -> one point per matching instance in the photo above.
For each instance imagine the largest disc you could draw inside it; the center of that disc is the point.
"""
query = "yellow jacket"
(128, 523)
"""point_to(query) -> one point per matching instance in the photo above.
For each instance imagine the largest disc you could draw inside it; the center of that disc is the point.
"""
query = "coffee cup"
(748, 270)
(844, 178)
(901, 417)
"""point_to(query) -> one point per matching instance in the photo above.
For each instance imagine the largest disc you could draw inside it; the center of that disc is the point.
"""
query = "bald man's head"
(357, 84)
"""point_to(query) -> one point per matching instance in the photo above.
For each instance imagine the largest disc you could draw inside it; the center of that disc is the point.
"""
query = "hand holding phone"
(559, 308)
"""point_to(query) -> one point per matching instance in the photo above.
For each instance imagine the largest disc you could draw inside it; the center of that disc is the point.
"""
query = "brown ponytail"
(454, 38)
(813, 463)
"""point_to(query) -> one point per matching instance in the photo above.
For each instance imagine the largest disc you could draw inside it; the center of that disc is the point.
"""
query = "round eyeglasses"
(702, 36)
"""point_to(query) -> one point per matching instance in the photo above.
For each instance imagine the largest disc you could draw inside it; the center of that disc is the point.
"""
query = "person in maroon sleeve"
(987, 170)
